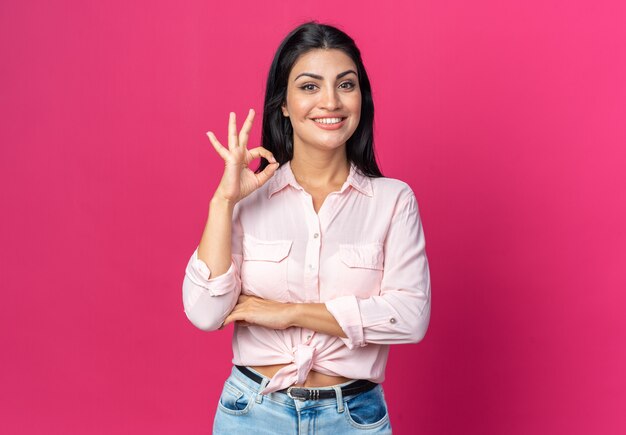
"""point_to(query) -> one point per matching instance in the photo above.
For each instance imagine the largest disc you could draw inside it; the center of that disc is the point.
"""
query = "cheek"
(356, 109)
(297, 104)
(355, 105)
(359, 101)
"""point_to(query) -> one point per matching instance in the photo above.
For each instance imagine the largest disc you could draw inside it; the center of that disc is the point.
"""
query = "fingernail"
(208, 133)
(273, 160)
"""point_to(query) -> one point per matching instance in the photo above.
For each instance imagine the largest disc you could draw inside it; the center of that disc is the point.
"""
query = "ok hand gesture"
(238, 181)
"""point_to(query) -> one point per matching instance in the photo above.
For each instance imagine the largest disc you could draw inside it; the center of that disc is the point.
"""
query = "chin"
(326, 142)
(330, 145)
(330, 141)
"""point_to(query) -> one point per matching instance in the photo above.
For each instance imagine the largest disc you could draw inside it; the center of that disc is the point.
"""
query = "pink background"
(506, 118)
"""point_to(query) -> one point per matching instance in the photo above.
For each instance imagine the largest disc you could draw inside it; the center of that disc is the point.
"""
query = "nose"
(330, 99)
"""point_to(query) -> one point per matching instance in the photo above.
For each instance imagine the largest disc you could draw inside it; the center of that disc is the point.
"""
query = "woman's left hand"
(252, 310)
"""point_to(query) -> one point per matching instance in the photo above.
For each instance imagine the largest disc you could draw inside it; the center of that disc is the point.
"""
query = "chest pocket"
(361, 268)
(368, 256)
(264, 267)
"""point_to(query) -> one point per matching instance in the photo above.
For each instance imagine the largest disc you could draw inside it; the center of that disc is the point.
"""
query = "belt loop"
(339, 398)
(259, 396)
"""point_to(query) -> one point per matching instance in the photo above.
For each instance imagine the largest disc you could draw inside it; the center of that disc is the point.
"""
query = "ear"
(284, 109)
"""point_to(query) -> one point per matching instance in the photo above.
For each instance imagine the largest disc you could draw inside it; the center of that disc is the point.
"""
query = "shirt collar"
(284, 176)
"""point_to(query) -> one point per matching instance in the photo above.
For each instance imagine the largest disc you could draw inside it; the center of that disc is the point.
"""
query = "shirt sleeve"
(206, 300)
(401, 313)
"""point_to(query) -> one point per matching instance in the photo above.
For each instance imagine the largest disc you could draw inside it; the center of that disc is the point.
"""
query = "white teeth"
(328, 120)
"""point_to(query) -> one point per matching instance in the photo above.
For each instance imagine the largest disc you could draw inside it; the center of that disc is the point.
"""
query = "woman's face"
(323, 86)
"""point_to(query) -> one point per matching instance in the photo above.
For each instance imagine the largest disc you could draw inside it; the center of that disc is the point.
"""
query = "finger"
(217, 145)
(267, 173)
(269, 170)
(232, 131)
(235, 317)
(261, 152)
(229, 319)
(244, 134)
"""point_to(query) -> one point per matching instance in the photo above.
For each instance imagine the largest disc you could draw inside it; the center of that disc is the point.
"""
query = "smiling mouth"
(328, 121)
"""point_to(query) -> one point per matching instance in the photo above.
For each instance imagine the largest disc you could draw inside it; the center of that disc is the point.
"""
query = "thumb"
(267, 173)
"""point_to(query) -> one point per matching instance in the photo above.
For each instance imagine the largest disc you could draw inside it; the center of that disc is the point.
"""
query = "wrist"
(221, 202)
(294, 311)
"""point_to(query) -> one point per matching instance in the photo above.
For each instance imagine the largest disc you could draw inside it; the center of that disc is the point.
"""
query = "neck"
(321, 170)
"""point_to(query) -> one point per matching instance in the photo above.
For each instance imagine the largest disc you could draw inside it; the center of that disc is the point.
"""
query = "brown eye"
(308, 87)
(351, 85)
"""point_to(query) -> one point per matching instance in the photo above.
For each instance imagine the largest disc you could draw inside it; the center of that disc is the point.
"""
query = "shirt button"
(316, 235)
(311, 266)
(308, 337)
(392, 320)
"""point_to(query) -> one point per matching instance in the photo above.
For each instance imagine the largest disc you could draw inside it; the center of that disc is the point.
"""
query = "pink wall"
(506, 117)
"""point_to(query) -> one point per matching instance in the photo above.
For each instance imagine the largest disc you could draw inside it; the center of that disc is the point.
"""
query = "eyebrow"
(315, 76)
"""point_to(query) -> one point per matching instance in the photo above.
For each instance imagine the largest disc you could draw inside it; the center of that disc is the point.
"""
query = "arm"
(281, 315)
(401, 313)
(215, 245)
(316, 317)
(212, 279)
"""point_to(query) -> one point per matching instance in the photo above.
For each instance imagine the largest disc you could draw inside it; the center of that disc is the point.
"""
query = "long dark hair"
(277, 132)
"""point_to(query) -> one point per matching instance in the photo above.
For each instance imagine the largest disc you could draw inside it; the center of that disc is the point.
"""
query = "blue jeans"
(243, 410)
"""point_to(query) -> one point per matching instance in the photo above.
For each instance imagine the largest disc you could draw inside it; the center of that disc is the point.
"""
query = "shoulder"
(395, 194)
(393, 188)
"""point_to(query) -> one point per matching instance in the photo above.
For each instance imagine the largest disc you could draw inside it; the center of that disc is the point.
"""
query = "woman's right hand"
(238, 180)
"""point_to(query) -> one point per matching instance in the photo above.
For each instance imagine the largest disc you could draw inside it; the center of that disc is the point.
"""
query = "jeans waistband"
(312, 393)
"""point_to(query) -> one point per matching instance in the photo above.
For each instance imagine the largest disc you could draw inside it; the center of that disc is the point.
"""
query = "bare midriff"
(314, 379)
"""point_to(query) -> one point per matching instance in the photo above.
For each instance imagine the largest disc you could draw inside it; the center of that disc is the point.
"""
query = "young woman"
(317, 259)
